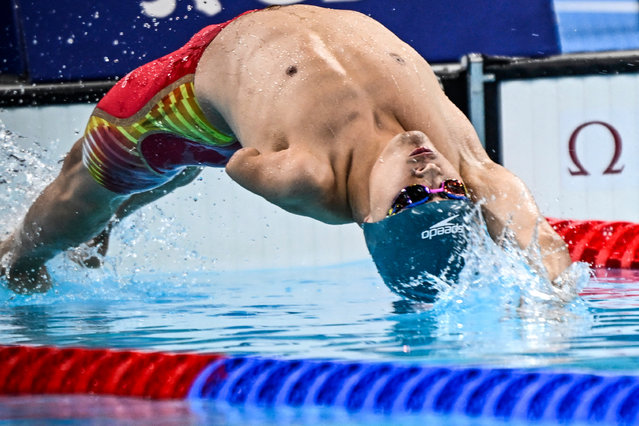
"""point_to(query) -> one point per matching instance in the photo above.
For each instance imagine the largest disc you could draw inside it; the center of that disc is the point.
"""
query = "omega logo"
(572, 150)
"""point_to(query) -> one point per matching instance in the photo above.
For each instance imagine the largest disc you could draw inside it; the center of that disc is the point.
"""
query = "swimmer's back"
(307, 75)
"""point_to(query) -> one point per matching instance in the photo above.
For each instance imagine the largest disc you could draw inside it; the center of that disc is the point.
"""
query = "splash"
(503, 303)
(518, 273)
(23, 174)
(26, 167)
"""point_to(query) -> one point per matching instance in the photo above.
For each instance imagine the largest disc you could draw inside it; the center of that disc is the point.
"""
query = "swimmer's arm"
(507, 200)
(509, 203)
(71, 210)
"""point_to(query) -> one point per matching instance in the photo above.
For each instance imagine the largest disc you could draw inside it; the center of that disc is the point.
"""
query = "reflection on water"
(93, 409)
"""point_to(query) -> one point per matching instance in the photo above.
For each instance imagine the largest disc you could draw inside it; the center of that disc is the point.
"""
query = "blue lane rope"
(396, 388)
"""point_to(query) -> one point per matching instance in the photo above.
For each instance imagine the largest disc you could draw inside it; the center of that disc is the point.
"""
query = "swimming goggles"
(417, 194)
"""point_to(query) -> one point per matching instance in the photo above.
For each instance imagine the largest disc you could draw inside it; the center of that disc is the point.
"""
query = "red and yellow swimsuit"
(149, 126)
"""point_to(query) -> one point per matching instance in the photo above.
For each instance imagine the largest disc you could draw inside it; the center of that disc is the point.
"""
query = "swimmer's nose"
(429, 174)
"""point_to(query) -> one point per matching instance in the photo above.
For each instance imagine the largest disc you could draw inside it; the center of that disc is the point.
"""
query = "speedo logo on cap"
(442, 228)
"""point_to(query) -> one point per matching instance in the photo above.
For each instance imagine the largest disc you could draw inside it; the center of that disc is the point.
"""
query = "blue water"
(318, 313)
(308, 313)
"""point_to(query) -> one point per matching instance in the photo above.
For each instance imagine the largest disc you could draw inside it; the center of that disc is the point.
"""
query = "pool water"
(339, 312)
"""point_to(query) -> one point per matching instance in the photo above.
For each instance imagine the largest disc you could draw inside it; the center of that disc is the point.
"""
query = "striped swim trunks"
(149, 126)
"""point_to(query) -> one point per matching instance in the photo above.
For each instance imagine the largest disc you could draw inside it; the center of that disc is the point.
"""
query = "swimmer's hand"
(91, 254)
(32, 281)
(570, 282)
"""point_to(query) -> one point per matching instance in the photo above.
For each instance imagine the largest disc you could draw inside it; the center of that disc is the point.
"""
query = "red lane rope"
(44, 370)
(601, 243)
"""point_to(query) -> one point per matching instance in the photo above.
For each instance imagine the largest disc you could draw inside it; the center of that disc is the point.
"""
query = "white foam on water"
(23, 175)
(502, 302)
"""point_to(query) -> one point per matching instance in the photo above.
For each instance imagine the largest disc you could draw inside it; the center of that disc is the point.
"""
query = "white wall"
(538, 117)
(212, 223)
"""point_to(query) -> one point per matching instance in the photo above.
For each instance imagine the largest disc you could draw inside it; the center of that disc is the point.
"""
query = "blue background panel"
(598, 25)
(69, 40)
(11, 60)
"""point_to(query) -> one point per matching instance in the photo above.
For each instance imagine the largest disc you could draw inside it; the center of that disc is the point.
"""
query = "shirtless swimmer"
(324, 113)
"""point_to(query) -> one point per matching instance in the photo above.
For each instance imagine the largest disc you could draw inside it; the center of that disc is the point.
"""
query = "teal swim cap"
(424, 240)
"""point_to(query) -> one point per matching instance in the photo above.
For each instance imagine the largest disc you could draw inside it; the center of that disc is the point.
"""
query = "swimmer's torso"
(330, 83)
(319, 90)
(313, 70)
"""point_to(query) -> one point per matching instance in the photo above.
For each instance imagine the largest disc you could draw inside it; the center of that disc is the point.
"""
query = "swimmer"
(325, 113)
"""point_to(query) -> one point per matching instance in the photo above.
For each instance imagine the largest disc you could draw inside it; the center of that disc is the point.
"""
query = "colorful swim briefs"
(149, 126)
